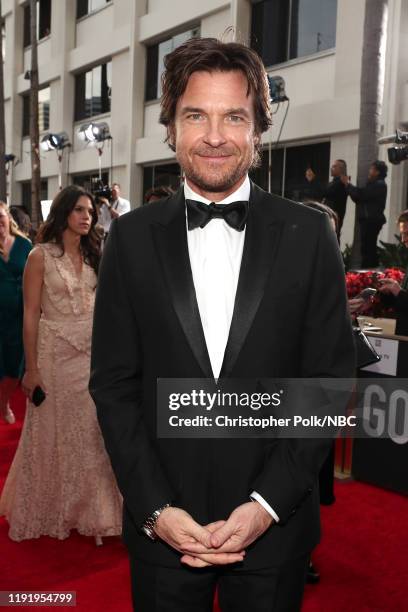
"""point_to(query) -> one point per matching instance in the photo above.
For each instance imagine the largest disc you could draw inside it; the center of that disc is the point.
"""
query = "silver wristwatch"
(150, 522)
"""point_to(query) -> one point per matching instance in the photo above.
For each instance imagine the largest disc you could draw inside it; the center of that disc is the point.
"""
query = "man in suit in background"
(334, 194)
(220, 280)
(370, 200)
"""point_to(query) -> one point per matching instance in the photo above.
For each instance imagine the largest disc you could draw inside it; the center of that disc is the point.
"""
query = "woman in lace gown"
(61, 477)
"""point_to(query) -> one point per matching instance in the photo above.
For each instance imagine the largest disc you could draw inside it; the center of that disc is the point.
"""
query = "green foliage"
(393, 255)
(390, 255)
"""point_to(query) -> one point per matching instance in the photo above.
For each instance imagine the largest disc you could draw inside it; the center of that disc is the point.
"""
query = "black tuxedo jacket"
(290, 320)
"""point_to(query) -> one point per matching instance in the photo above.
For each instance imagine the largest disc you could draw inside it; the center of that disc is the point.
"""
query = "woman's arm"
(32, 286)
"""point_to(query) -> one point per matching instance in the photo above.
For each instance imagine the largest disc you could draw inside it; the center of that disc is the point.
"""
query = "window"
(26, 193)
(288, 169)
(93, 92)
(43, 111)
(286, 29)
(84, 7)
(298, 159)
(43, 21)
(168, 175)
(260, 175)
(155, 61)
(91, 181)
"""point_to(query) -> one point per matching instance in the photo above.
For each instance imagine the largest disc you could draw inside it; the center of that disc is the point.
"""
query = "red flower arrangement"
(357, 281)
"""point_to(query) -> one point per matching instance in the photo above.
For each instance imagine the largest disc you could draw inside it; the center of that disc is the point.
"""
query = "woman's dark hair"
(210, 54)
(162, 191)
(381, 168)
(57, 221)
(21, 218)
(325, 209)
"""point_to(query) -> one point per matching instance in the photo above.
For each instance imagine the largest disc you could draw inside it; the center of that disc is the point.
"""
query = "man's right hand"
(178, 529)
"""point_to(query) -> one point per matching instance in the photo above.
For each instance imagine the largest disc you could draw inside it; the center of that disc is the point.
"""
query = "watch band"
(150, 522)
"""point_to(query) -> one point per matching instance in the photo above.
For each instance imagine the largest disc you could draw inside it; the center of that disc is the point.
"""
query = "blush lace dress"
(61, 477)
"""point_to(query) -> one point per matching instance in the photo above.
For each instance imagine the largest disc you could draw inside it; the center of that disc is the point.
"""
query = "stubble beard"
(216, 180)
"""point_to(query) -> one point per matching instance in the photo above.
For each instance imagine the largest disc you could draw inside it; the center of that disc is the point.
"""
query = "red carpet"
(363, 557)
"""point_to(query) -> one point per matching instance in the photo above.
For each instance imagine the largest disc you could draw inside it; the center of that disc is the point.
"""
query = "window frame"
(26, 24)
(90, 12)
(294, 60)
(283, 151)
(86, 117)
(25, 116)
(93, 175)
(197, 32)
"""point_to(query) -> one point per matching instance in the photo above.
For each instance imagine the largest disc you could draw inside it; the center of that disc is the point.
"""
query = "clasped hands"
(218, 543)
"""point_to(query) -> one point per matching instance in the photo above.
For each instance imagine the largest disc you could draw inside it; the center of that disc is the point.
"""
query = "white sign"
(45, 208)
(388, 351)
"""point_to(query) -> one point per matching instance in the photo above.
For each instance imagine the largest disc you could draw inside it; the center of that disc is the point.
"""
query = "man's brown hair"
(403, 218)
(210, 54)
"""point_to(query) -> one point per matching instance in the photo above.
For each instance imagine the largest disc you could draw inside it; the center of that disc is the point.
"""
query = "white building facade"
(101, 60)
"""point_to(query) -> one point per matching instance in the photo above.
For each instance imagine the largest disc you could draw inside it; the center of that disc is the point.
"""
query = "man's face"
(403, 229)
(373, 173)
(214, 130)
(337, 168)
(115, 192)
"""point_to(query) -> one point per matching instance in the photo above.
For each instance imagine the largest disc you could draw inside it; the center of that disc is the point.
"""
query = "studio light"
(94, 132)
(55, 142)
(277, 89)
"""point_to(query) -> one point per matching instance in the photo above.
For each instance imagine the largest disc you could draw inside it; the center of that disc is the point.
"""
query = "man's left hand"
(245, 525)
(114, 213)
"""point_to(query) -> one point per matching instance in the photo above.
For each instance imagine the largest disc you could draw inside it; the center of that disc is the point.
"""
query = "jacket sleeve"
(357, 194)
(372, 193)
(116, 387)
(401, 301)
(327, 350)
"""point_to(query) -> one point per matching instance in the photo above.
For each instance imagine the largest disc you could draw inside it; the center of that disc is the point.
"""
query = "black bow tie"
(199, 214)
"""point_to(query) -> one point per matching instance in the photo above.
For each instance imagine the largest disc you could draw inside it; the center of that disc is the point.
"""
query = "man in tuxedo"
(220, 280)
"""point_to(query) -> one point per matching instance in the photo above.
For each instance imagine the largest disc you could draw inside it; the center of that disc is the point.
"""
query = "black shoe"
(312, 575)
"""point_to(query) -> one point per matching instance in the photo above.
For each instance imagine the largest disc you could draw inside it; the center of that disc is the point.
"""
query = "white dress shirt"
(121, 205)
(215, 253)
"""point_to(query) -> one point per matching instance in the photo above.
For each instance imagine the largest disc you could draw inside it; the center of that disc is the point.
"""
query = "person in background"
(14, 250)
(370, 201)
(158, 193)
(23, 221)
(334, 194)
(112, 209)
(312, 191)
(61, 478)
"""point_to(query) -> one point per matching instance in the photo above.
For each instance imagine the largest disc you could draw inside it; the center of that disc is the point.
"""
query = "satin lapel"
(261, 242)
(170, 239)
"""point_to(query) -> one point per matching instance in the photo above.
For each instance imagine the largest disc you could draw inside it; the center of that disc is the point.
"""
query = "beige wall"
(324, 89)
